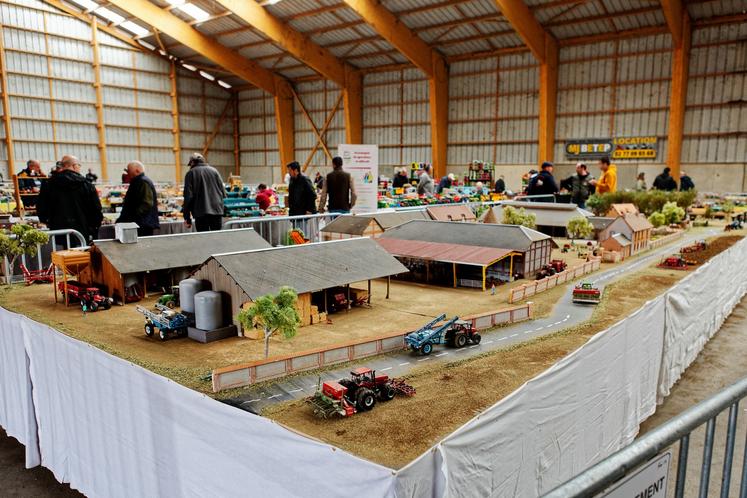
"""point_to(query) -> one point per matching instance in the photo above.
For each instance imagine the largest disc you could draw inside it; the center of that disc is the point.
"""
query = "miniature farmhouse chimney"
(126, 233)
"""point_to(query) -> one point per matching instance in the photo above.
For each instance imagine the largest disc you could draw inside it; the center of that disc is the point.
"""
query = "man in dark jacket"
(140, 203)
(543, 184)
(301, 195)
(339, 186)
(203, 195)
(500, 185)
(68, 200)
(579, 185)
(400, 178)
(686, 183)
(664, 181)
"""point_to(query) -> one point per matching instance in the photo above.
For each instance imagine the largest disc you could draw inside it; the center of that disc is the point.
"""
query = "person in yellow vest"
(608, 181)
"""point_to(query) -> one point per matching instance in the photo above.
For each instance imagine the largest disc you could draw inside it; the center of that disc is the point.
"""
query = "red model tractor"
(90, 298)
(696, 247)
(676, 262)
(586, 293)
(356, 394)
(558, 265)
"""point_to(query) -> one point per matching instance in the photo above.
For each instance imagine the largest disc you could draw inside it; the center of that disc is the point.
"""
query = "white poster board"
(362, 162)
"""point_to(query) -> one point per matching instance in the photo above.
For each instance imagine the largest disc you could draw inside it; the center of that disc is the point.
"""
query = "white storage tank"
(187, 290)
(208, 310)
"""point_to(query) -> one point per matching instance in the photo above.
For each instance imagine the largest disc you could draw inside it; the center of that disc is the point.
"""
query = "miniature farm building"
(635, 227)
(160, 260)
(622, 209)
(318, 272)
(599, 223)
(618, 243)
(368, 225)
(451, 212)
(551, 218)
(467, 254)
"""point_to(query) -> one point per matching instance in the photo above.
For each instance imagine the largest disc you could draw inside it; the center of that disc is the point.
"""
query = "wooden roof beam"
(528, 28)
(673, 12)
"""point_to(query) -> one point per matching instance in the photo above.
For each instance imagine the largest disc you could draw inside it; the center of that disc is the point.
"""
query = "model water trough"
(208, 308)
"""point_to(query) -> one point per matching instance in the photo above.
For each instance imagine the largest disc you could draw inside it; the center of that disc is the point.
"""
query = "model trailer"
(165, 321)
(676, 262)
(453, 332)
(359, 393)
(586, 293)
(89, 297)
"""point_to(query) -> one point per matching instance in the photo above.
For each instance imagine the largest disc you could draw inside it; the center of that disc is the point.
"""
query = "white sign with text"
(362, 162)
(648, 481)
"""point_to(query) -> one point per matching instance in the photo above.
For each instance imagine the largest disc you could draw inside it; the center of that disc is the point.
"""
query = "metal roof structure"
(164, 252)
(308, 267)
(457, 29)
(600, 222)
(451, 212)
(548, 214)
(621, 239)
(447, 253)
(356, 224)
(637, 222)
(506, 237)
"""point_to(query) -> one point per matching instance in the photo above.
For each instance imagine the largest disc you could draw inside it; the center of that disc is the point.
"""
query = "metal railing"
(274, 229)
(611, 470)
(43, 252)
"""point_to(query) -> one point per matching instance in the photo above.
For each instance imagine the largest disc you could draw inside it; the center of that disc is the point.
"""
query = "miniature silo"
(208, 310)
(188, 288)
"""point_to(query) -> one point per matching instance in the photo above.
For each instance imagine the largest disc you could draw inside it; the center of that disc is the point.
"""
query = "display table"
(167, 228)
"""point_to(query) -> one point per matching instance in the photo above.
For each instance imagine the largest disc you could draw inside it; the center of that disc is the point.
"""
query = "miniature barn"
(551, 218)
(634, 227)
(467, 254)
(319, 272)
(126, 271)
(618, 243)
(621, 209)
(451, 212)
(368, 225)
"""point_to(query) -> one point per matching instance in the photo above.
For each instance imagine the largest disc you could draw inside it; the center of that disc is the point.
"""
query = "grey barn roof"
(163, 252)
(550, 214)
(308, 267)
(513, 237)
(356, 224)
(600, 222)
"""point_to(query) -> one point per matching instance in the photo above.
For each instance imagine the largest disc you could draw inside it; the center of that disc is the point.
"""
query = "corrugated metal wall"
(260, 159)
(396, 116)
(716, 116)
(614, 89)
(493, 110)
(319, 99)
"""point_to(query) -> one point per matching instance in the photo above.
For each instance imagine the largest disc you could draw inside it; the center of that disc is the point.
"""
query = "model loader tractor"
(586, 293)
(676, 262)
(358, 393)
(453, 332)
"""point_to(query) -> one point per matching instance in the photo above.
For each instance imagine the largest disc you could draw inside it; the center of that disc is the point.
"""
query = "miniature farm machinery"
(90, 298)
(586, 292)
(170, 300)
(555, 266)
(165, 321)
(696, 247)
(676, 262)
(453, 332)
(356, 394)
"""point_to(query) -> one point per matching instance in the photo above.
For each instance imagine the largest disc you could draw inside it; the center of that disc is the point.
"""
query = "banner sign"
(615, 148)
(362, 162)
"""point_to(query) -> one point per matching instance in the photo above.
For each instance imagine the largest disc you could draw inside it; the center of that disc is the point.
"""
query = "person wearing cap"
(544, 183)
(203, 195)
(686, 183)
(340, 188)
(608, 181)
(664, 181)
(445, 182)
(301, 194)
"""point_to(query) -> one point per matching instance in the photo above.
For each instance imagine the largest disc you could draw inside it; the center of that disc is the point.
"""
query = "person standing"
(686, 183)
(68, 200)
(301, 194)
(340, 188)
(425, 184)
(500, 185)
(125, 177)
(544, 183)
(664, 181)
(29, 183)
(203, 195)
(140, 204)
(579, 185)
(608, 181)
(400, 178)
(265, 197)
(640, 182)
(446, 182)
(91, 176)
(318, 181)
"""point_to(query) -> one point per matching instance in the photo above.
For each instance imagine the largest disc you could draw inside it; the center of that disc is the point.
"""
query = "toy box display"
(480, 171)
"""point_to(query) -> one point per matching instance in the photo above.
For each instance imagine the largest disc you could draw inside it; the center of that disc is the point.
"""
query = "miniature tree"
(513, 216)
(20, 239)
(657, 219)
(274, 313)
(672, 213)
(579, 228)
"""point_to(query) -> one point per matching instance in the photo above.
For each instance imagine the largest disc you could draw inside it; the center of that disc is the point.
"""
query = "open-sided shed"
(308, 268)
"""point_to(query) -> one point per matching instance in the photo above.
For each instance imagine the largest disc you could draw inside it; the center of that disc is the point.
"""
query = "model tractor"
(453, 332)
(90, 298)
(358, 393)
(165, 321)
(696, 247)
(558, 265)
(544, 272)
(676, 262)
(170, 300)
(586, 293)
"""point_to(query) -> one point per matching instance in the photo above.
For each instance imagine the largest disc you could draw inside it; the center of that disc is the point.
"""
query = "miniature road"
(564, 314)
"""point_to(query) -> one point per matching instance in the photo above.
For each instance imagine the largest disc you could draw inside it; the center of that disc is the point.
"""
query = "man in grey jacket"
(203, 195)
(425, 184)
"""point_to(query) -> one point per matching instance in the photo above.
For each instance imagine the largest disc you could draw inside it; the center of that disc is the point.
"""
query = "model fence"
(263, 370)
(531, 288)
(655, 244)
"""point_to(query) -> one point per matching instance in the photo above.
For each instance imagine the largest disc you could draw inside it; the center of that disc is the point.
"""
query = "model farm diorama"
(199, 303)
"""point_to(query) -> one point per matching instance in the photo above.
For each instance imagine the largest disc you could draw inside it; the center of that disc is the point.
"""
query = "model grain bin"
(126, 233)
(208, 306)
(188, 288)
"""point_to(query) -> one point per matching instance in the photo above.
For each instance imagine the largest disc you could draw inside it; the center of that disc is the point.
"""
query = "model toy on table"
(453, 332)
(170, 300)
(586, 292)
(696, 247)
(166, 322)
(359, 393)
(89, 297)
(676, 262)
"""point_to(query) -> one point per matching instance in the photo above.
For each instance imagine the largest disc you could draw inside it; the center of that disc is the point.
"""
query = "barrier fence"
(273, 368)
(655, 244)
(531, 288)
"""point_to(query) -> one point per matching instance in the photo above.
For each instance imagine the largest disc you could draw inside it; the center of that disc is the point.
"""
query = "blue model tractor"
(453, 332)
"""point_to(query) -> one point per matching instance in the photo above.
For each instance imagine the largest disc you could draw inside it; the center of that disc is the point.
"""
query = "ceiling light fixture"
(224, 84)
(207, 76)
(193, 11)
(189, 66)
(86, 4)
(146, 44)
